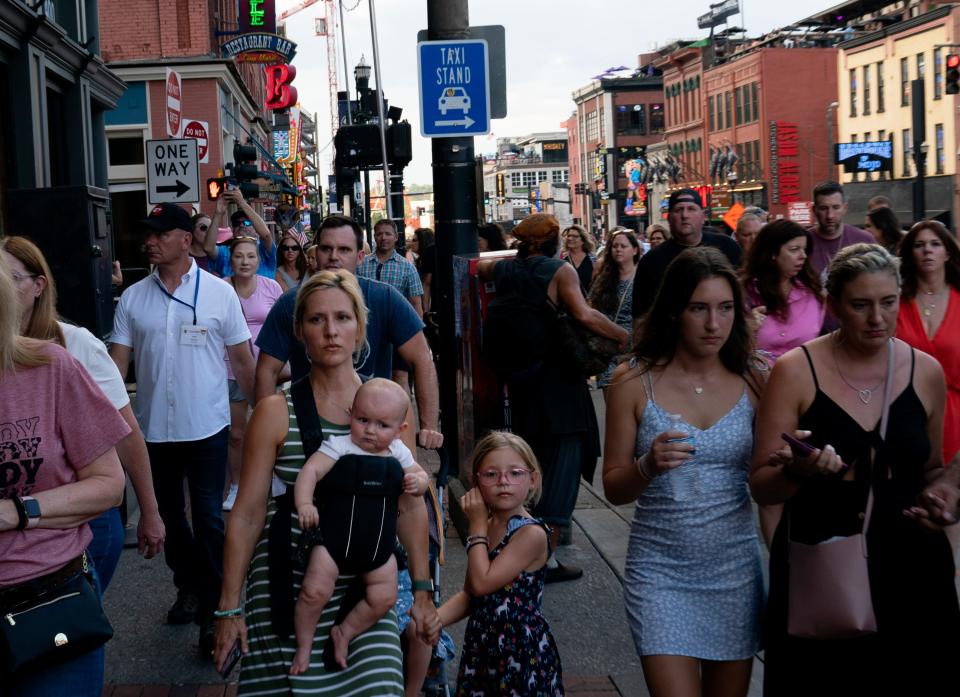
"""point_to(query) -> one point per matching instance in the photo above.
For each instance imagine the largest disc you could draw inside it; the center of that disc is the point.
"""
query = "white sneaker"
(231, 498)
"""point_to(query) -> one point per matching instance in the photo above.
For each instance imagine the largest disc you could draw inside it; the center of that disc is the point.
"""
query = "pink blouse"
(800, 322)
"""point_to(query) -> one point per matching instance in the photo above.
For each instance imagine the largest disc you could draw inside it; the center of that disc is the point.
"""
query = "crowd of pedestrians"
(814, 371)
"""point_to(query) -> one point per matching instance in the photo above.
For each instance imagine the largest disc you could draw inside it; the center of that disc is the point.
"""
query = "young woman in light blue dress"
(678, 441)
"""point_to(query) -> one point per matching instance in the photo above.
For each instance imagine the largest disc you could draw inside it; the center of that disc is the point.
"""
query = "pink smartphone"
(798, 447)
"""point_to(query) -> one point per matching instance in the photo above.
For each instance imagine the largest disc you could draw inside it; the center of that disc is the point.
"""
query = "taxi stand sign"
(454, 88)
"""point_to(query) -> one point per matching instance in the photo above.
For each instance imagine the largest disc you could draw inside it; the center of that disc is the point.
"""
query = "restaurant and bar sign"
(870, 156)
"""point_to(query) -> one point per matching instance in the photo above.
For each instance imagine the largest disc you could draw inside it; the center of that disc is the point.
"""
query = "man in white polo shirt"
(178, 321)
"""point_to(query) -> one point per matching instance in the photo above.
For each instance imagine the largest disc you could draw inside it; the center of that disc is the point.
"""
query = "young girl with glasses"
(507, 554)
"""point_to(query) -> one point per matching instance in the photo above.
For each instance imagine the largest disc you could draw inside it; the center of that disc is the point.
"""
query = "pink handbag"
(829, 584)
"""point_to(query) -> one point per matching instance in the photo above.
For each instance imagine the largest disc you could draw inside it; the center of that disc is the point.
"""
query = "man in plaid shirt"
(387, 266)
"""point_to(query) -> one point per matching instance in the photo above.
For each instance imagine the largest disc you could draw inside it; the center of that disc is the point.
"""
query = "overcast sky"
(552, 49)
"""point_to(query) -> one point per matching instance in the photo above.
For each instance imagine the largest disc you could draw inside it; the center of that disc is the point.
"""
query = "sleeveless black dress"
(917, 643)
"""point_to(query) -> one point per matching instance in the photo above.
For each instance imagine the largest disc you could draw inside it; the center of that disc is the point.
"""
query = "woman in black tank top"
(830, 393)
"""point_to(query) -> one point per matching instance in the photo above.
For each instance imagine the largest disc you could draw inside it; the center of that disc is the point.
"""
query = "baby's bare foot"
(301, 661)
(341, 645)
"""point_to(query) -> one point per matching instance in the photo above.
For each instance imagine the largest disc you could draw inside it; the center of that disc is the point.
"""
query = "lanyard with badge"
(190, 334)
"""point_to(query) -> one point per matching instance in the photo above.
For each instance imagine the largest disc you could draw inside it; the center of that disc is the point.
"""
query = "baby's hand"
(415, 483)
(309, 516)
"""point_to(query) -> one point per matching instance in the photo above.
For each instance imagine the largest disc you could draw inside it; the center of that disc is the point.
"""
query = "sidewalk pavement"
(148, 658)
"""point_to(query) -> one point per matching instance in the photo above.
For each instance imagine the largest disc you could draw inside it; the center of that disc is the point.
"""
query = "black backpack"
(520, 322)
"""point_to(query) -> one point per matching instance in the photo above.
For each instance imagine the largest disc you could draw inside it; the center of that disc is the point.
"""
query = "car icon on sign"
(454, 98)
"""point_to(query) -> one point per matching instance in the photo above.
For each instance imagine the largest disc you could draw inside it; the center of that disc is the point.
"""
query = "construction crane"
(324, 26)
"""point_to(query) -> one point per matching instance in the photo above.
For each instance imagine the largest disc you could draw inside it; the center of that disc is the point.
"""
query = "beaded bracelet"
(477, 538)
(234, 612)
(477, 542)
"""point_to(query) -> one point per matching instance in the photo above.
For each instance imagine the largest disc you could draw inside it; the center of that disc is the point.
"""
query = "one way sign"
(173, 175)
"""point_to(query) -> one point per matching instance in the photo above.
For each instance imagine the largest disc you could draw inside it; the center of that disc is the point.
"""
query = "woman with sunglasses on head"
(257, 294)
(578, 246)
(292, 268)
(930, 311)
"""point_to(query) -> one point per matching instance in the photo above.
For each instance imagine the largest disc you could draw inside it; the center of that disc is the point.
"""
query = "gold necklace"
(928, 309)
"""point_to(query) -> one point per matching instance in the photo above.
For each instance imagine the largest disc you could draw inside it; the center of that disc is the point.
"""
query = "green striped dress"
(375, 661)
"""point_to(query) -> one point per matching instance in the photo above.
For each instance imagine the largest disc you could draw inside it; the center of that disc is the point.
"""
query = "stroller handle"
(444, 472)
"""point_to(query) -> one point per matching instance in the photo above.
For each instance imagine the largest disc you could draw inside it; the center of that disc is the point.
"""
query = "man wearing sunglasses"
(243, 223)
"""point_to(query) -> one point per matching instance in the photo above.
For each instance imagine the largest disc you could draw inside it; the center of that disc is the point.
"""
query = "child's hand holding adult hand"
(475, 509)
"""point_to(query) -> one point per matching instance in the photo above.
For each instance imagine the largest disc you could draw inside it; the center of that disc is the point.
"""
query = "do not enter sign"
(174, 93)
(199, 131)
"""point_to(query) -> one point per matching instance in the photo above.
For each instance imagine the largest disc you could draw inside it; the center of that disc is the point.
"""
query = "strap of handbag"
(884, 418)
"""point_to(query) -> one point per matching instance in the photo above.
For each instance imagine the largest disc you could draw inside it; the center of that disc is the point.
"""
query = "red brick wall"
(150, 29)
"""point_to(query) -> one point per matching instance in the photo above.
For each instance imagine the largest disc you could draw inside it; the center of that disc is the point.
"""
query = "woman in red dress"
(930, 311)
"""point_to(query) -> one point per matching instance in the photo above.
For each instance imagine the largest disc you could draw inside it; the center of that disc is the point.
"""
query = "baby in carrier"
(354, 518)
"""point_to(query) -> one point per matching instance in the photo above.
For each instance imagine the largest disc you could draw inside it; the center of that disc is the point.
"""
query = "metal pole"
(380, 115)
(366, 206)
(917, 105)
(455, 211)
(346, 69)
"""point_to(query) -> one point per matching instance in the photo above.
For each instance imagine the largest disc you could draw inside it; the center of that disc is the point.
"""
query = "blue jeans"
(78, 677)
(194, 555)
(106, 545)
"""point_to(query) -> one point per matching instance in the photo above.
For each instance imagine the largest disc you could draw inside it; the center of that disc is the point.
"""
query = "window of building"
(880, 107)
(737, 98)
(755, 101)
(853, 93)
(906, 152)
(726, 108)
(866, 90)
(515, 179)
(528, 178)
(631, 120)
(921, 66)
(593, 126)
(758, 160)
(937, 73)
(941, 160)
(656, 118)
(559, 176)
(57, 134)
(904, 83)
(542, 176)
(711, 124)
(125, 150)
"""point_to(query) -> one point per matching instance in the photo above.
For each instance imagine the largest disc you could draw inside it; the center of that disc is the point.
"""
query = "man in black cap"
(686, 220)
(180, 320)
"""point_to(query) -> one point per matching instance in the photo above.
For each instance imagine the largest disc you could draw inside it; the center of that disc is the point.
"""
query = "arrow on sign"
(466, 122)
(180, 188)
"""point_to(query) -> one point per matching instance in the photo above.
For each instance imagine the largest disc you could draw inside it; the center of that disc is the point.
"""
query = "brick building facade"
(141, 40)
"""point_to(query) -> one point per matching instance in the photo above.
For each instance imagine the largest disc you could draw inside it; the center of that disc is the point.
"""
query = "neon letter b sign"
(280, 93)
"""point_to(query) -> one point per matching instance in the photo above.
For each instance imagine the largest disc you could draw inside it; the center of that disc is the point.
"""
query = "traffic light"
(217, 185)
(245, 170)
(953, 73)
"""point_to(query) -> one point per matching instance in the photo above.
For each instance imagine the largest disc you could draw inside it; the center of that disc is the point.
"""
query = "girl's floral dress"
(508, 649)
